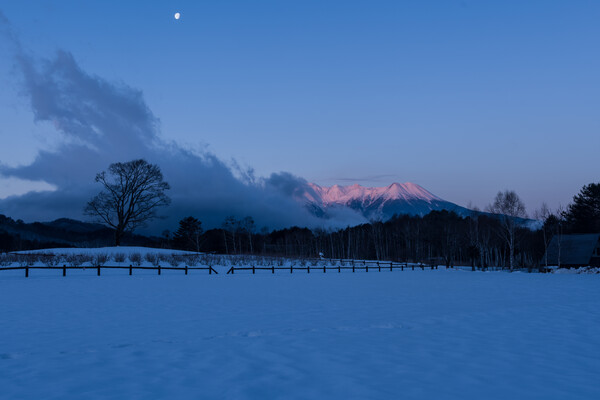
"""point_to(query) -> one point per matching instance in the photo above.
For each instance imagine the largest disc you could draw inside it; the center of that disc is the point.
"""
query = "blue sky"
(464, 98)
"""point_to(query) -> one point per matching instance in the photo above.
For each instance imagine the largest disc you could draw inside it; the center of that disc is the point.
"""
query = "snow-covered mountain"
(378, 202)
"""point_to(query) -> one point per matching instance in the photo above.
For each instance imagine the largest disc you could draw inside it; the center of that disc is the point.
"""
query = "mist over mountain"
(377, 203)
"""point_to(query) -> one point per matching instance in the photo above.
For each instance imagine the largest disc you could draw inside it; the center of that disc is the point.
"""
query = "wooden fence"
(158, 268)
(354, 265)
(329, 265)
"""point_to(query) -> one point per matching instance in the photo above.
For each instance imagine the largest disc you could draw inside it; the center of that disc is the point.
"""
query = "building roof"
(574, 249)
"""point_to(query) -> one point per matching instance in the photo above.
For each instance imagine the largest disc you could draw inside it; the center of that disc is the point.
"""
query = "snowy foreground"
(110, 251)
(377, 335)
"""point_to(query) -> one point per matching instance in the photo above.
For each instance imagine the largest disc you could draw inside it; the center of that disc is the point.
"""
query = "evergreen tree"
(188, 234)
(583, 215)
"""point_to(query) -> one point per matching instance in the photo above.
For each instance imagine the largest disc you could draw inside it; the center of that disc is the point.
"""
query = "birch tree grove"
(509, 207)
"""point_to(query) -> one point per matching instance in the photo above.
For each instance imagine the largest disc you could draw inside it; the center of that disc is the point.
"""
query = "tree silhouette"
(583, 215)
(509, 208)
(132, 191)
(189, 234)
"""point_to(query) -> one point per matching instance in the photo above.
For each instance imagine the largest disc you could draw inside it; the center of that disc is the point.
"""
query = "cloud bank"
(104, 122)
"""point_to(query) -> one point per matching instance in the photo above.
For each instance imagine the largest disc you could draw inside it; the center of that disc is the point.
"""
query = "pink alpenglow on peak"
(337, 194)
(377, 203)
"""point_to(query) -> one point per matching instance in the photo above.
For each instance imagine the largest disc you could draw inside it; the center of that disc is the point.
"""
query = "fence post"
(253, 269)
(378, 266)
(159, 269)
(26, 272)
(391, 266)
(352, 265)
(98, 270)
(186, 269)
(308, 269)
(291, 268)
(130, 269)
(324, 268)
(210, 270)
(339, 268)
(64, 270)
(366, 267)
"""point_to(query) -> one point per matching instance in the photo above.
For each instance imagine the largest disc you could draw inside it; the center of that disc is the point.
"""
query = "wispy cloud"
(388, 178)
(104, 122)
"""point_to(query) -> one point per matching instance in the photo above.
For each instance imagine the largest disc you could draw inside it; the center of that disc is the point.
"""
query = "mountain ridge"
(378, 202)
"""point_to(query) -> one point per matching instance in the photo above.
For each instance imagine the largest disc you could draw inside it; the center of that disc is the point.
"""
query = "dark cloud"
(298, 188)
(289, 184)
(104, 122)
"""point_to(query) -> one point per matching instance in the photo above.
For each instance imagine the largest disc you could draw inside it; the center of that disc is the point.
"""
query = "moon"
(177, 15)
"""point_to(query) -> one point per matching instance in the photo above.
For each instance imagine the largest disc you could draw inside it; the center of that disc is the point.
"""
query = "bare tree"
(248, 226)
(230, 225)
(377, 236)
(509, 207)
(556, 224)
(543, 215)
(474, 236)
(132, 192)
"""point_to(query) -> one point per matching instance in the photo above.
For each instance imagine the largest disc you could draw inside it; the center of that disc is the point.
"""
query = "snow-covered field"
(378, 335)
(110, 251)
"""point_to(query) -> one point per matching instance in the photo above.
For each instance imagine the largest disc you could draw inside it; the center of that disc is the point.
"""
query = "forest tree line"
(482, 240)
(502, 236)
(440, 237)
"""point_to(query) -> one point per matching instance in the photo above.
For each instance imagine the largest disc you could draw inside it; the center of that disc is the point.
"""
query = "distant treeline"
(481, 240)
(439, 237)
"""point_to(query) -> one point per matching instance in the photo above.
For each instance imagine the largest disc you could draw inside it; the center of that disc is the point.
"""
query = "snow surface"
(376, 335)
(580, 270)
(110, 251)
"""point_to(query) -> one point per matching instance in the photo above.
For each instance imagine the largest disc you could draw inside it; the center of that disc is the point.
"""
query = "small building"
(577, 250)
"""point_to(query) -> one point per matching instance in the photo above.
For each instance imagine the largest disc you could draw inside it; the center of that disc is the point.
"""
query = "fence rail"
(356, 265)
(131, 268)
(330, 265)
